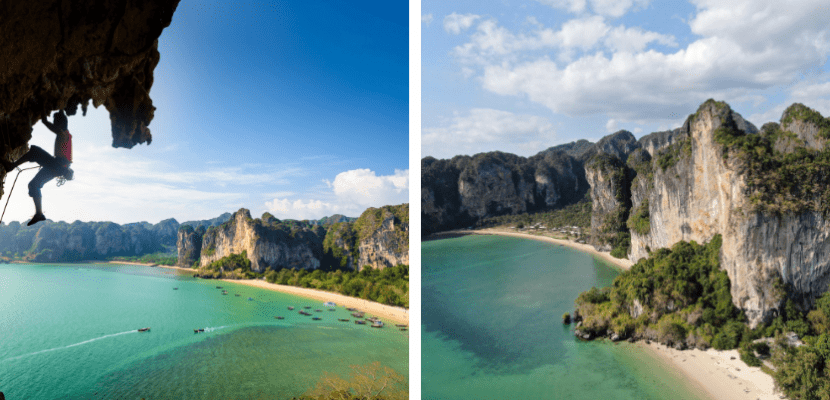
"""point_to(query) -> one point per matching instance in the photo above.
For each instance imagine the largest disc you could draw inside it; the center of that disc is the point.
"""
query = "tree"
(366, 382)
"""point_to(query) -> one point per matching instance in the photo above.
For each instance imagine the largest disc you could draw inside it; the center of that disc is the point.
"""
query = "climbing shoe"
(37, 218)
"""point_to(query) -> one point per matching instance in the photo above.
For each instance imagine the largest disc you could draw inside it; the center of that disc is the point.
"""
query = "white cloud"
(483, 129)
(634, 40)
(612, 126)
(574, 6)
(616, 8)
(491, 43)
(610, 8)
(455, 23)
(589, 67)
(813, 94)
(426, 19)
(351, 193)
(298, 209)
(142, 183)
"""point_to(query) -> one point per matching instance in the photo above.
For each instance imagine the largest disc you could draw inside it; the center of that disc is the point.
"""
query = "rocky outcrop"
(458, 193)
(62, 242)
(189, 245)
(608, 177)
(383, 236)
(58, 55)
(340, 244)
(694, 186)
(268, 245)
(331, 220)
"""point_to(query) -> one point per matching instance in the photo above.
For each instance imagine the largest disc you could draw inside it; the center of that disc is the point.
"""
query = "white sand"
(718, 374)
(397, 315)
(621, 263)
(715, 372)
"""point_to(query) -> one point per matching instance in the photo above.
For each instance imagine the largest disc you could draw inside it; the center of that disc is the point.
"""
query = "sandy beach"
(191, 270)
(624, 264)
(395, 314)
(721, 374)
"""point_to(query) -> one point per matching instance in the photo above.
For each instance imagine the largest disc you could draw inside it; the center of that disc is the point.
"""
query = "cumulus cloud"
(813, 94)
(610, 8)
(574, 6)
(455, 23)
(350, 193)
(589, 67)
(426, 19)
(484, 129)
(612, 126)
(492, 43)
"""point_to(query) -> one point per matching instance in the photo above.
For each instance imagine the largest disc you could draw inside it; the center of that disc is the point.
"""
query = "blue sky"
(523, 75)
(296, 108)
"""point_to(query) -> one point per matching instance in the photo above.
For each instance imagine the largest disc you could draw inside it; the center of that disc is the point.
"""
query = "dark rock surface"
(57, 55)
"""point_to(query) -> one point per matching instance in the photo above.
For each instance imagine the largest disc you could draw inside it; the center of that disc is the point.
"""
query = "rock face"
(608, 177)
(59, 242)
(62, 242)
(269, 245)
(695, 188)
(459, 192)
(58, 55)
(379, 238)
(383, 236)
(189, 245)
(340, 244)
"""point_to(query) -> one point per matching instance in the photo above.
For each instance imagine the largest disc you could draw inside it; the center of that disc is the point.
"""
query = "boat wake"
(71, 345)
(214, 328)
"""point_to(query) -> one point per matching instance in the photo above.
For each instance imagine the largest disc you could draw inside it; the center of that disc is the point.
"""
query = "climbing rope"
(19, 170)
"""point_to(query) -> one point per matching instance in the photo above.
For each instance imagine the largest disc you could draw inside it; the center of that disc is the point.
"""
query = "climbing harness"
(19, 170)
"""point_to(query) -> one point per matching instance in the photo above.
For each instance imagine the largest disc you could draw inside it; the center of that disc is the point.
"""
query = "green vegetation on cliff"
(233, 266)
(803, 372)
(370, 221)
(674, 153)
(681, 298)
(340, 243)
(675, 296)
(612, 229)
(639, 221)
(782, 174)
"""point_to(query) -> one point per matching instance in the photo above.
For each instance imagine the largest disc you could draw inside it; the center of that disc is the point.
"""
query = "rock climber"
(51, 166)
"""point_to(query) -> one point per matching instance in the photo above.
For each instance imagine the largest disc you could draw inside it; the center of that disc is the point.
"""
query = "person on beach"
(51, 166)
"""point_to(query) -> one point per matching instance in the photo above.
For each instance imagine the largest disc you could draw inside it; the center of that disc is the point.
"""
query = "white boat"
(329, 304)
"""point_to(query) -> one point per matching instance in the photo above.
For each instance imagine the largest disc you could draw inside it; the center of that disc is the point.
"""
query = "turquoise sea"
(492, 327)
(70, 332)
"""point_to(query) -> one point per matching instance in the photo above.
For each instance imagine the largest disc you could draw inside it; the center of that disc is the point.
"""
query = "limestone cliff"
(459, 192)
(189, 245)
(60, 242)
(762, 191)
(340, 244)
(383, 236)
(57, 55)
(268, 244)
(609, 179)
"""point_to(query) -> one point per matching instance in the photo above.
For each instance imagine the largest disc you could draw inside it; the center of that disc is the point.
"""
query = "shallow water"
(70, 331)
(491, 312)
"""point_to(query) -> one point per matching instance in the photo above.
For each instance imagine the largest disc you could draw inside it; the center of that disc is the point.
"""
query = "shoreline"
(395, 314)
(623, 264)
(719, 373)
